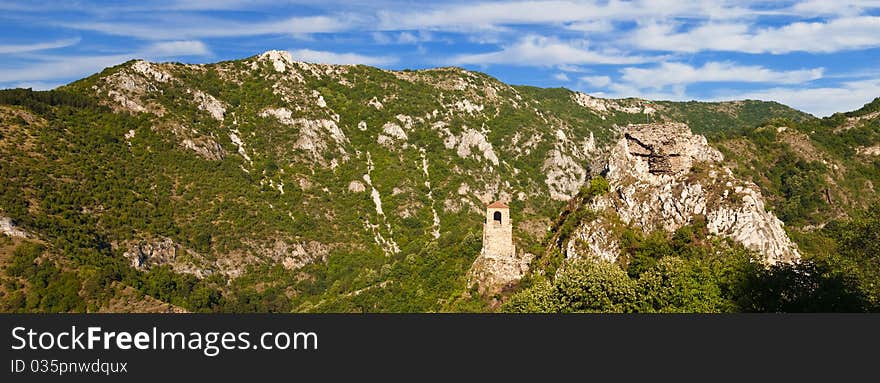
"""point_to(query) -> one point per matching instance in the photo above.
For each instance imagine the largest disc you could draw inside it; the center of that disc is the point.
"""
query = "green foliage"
(803, 287)
(42, 101)
(873, 106)
(597, 186)
(582, 286)
(728, 119)
(49, 289)
(677, 285)
(857, 245)
(87, 188)
(575, 214)
(688, 272)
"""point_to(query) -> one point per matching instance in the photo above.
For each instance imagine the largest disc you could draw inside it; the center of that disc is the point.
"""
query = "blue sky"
(816, 55)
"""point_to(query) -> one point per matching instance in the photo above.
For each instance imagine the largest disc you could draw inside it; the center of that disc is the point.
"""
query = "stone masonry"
(498, 232)
(498, 265)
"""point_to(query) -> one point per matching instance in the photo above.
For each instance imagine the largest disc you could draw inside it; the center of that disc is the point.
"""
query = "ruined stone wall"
(655, 186)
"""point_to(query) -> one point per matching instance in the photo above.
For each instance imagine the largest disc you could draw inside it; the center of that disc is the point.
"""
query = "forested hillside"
(271, 185)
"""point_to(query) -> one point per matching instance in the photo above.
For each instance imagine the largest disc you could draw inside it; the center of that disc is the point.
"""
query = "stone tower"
(498, 232)
(498, 266)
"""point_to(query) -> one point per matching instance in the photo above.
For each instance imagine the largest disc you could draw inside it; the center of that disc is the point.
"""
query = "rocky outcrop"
(603, 106)
(564, 175)
(869, 150)
(8, 228)
(316, 137)
(209, 104)
(296, 255)
(146, 254)
(205, 147)
(356, 187)
(492, 274)
(663, 177)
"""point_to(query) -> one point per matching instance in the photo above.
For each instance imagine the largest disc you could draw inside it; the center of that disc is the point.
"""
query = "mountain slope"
(267, 184)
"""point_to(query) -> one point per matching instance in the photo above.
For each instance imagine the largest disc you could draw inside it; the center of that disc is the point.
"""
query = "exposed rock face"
(662, 177)
(145, 254)
(605, 106)
(472, 139)
(294, 256)
(6, 227)
(315, 136)
(869, 151)
(205, 147)
(280, 59)
(668, 148)
(127, 89)
(356, 187)
(147, 69)
(492, 274)
(564, 175)
(209, 104)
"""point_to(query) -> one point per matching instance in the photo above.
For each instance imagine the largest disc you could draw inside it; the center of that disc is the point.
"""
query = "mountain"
(267, 184)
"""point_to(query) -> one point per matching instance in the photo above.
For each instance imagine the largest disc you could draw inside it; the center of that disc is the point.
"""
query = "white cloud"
(572, 68)
(669, 81)
(187, 27)
(625, 90)
(670, 73)
(178, 48)
(22, 48)
(822, 101)
(835, 35)
(492, 15)
(561, 77)
(542, 51)
(836, 7)
(405, 37)
(326, 57)
(60, 67)
(596, 81)
(591, 26)
(49, 70)
(35, 85)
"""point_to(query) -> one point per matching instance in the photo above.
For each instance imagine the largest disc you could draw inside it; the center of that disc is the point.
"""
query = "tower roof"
(497, 205)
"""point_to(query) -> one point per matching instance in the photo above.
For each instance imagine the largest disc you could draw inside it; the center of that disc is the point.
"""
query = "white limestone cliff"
(663, 177)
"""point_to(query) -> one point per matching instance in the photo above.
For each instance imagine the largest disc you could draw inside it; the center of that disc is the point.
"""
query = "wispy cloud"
(812, 8)
(60, 67)
(596, 81)
(673, 73)
(327, 57)
(642, 48)
(536, 50)
(41, 46)
(561, 77)
(819, 37)
(177, 48)
(492, 15)
(44, 70)
(670, 80)
(405, 37)
(196, 27)
(820, 101)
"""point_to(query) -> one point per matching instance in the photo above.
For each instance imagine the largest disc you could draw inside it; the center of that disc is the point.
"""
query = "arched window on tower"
(497, 216)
